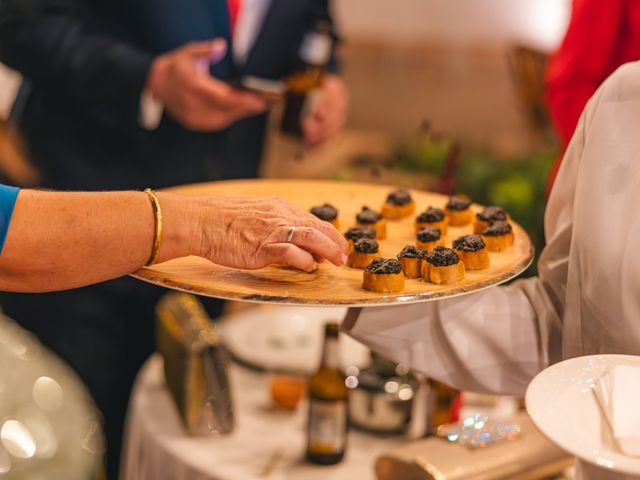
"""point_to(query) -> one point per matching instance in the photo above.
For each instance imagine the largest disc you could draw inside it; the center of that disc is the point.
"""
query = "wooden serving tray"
(329, 285)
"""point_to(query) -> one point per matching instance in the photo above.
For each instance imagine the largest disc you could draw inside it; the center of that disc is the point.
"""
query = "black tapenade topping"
(411, 251)
(399, 197)
(496, 229)
(429, 234)
(325, 212)
(458, 204)
(384, 266)
(442, 257)
(430, 215)
(469, 243)
(365, 245)
(354, 233)
(492, 214)
(368, 216)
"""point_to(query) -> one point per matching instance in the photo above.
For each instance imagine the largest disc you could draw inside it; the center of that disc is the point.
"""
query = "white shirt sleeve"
(150, 113)
(495, 340)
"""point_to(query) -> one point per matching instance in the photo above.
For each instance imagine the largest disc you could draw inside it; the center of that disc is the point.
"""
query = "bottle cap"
(316, 47)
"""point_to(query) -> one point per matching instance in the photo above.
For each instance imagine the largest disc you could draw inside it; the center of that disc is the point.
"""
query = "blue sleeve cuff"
(8, 196)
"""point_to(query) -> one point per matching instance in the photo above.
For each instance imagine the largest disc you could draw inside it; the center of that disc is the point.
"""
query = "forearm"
(498, 339)
(485, 342)
(59, 240)
(66, 240)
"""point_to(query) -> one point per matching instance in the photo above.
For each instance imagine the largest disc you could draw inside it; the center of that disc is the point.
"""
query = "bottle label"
(316, 49)
(327, 426)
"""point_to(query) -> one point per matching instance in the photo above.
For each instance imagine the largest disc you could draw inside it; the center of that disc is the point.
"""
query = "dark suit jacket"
(87, 61)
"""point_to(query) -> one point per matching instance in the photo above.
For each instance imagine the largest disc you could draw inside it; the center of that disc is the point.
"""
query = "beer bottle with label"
(314, 55)
(328, 396)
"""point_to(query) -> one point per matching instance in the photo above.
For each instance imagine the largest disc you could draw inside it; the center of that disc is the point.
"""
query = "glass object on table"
(49, 426)
(446, 403)
(287, 389)
(388, 398)
(328, 405)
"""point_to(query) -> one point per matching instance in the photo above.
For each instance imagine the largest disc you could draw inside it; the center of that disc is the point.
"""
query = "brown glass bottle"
(444, 396)
(314, 55)
(328, 397)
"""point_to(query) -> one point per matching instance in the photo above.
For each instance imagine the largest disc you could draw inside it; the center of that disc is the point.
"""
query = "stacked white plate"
(287, 339)
(562, 403)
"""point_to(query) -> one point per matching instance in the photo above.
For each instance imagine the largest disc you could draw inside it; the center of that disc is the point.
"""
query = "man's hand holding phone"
(180, 79)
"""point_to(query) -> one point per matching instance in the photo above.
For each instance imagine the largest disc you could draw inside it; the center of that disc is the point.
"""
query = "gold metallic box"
(195, 364)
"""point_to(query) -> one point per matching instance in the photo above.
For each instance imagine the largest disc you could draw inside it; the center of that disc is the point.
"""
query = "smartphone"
(271, 90)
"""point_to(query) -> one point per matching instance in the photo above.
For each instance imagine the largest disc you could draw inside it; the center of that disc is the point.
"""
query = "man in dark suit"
(97, 73)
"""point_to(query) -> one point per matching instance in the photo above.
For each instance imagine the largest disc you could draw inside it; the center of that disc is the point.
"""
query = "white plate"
(562, 404)
(287, 339)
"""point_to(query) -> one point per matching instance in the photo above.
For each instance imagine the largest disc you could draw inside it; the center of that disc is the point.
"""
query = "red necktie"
(234, 9)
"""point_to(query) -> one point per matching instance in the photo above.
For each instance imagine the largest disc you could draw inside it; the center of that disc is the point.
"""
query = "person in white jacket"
(586, 298)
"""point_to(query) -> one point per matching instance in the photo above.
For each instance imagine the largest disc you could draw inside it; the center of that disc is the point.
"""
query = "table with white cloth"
(157, 447)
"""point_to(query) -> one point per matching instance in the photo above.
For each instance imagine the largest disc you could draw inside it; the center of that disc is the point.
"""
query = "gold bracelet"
(157, 212)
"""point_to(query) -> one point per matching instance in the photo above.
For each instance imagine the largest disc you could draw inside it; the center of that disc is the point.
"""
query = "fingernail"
(218, 52)
(343, 258)
(314, 268)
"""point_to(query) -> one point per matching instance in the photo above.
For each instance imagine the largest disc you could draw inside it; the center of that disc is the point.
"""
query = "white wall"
(539, 23)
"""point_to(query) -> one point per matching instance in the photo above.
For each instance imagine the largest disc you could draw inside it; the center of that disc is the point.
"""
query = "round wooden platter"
(329, 285)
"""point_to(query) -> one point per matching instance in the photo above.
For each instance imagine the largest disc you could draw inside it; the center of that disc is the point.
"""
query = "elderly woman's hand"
(54, 236)
(254, 232)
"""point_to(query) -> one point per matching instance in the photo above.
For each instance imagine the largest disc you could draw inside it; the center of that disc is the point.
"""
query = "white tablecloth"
(156, 447)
